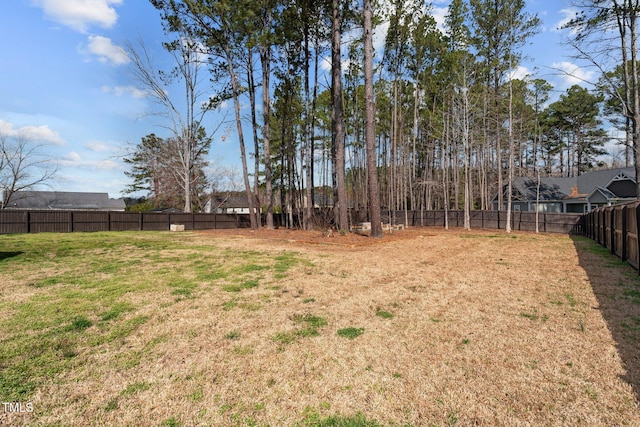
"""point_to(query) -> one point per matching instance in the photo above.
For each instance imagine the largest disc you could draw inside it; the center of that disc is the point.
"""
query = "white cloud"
(98, 146)
(568, 14)
(106, 51)
(572, 74)
(75, 160)
(73, 157)
(32, 133)
(379, 37)
(325, 63)
(439, 14)
(81, 14)
(520, 73)
(124, 90)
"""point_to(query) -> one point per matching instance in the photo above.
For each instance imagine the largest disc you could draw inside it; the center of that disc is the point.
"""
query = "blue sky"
(65, 81)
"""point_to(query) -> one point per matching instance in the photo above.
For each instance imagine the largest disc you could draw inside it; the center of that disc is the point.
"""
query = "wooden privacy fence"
(616, 228)
(520, 221)
(39, 221)
(36, 221)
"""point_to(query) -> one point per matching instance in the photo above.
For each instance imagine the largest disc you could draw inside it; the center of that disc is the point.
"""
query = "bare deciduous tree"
(23, 165)
(182, 119)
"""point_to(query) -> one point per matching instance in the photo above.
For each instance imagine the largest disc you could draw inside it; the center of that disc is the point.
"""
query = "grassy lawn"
(438, 328)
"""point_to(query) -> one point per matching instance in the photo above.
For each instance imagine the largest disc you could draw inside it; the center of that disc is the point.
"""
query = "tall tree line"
(437, 122)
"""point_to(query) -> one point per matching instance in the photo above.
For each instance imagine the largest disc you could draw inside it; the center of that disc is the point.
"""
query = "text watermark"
(16, 407)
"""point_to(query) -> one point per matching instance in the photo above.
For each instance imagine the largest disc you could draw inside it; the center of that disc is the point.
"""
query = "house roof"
(572, 189)
(589, 181)
(230, 201)
(551, 188)
(63, 200)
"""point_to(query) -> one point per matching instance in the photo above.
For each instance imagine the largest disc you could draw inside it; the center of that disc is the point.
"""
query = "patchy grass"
(215, 328)
(350, 332)
(86, 289)
(384, 314)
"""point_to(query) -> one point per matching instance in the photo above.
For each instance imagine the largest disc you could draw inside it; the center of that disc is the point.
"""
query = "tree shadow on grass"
(616, 285)
(5, 255)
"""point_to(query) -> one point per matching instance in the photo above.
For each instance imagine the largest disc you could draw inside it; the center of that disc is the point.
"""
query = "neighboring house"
(576, 194)
(227, 204)
(322, 200)
(64, 200)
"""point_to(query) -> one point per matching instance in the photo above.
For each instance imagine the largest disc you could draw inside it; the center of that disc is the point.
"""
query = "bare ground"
(487, 329)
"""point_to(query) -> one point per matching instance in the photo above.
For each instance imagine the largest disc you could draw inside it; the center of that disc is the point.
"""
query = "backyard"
(288, 328)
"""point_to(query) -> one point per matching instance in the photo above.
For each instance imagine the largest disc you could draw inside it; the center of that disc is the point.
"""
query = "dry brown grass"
(487, 329)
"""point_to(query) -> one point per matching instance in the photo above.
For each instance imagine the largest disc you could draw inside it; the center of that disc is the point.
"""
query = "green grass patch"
(313, 418)
(117, 309)
(135, 387)
(350, 333)
(570, 300)
(171, 422)
(632, 294)
(309, 328)
(384, 314)
(530, 316)
(233, 335)
(310, 320)
(80, 323)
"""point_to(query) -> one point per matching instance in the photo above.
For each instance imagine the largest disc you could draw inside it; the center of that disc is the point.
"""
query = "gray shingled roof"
(589, 181)
(63, 200)
(551, 188)
(561, 188)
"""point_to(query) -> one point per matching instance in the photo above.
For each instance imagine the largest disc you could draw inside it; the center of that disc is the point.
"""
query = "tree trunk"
(337, 128)
(256, 141)
(243, 154)
(372, 170)
(265, 60)
(308, 223)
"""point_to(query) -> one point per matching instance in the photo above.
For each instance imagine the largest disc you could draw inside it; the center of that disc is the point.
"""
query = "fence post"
(638, 233)
(623, 234)
(612, 226)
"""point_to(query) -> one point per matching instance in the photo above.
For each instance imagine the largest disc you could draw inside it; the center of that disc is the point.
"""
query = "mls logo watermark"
(17, 407)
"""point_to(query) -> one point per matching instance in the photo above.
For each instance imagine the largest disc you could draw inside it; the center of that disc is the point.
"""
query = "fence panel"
(50, 221)
(155, 221)
(90, 221)
(563, 223)
(125, 221)
(205, 222)
(14, 222)
(616, 228)
(186, 219)
(632, 235)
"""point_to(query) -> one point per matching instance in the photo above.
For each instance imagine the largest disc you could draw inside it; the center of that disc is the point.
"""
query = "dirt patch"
(319, 237)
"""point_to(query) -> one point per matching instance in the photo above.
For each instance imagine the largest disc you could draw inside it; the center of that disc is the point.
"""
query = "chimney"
(574, 192)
